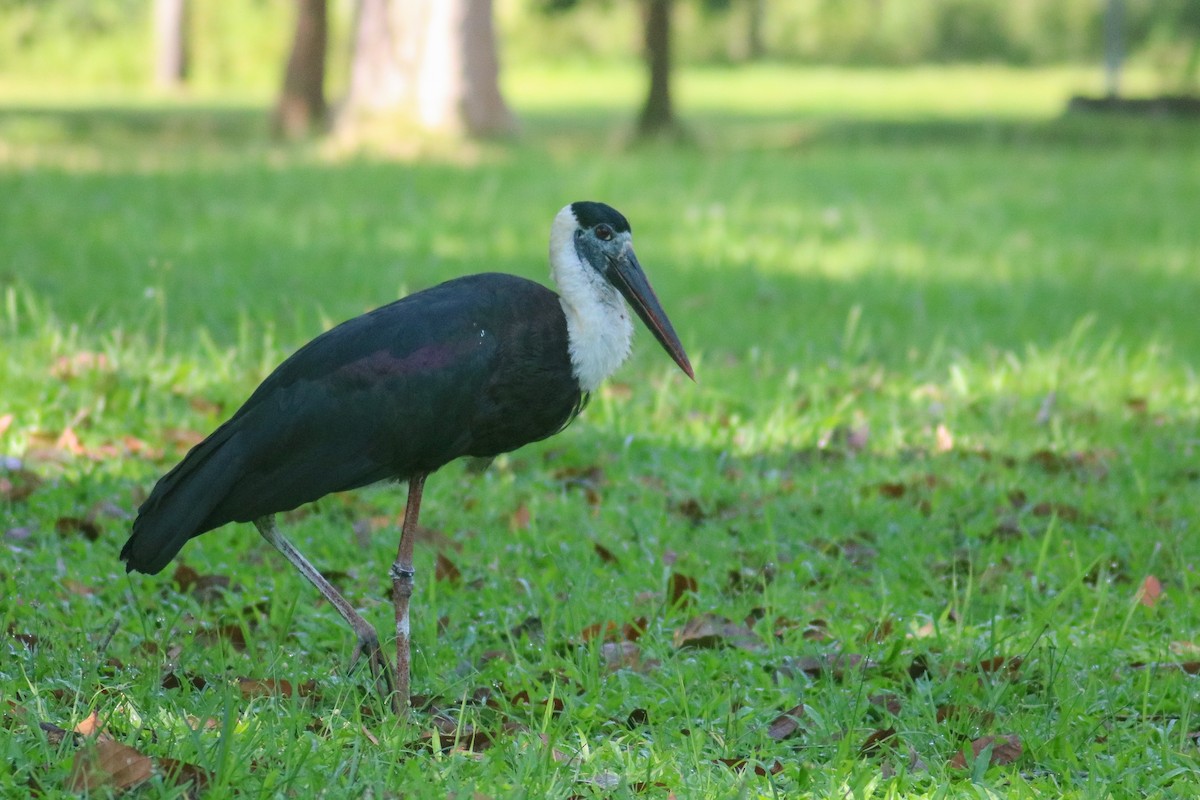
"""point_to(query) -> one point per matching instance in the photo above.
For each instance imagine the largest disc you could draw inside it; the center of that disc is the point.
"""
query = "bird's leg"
(402, 588)
(367, 639)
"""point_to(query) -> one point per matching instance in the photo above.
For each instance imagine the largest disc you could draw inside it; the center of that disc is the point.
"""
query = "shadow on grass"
(207, 126)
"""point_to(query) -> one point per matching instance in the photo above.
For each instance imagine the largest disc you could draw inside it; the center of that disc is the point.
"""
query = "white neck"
(599, 331)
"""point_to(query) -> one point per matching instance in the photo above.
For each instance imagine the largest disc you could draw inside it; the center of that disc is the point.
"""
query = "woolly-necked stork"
(476, 366)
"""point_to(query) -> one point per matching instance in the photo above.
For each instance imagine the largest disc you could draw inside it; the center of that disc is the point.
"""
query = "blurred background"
(214, 49)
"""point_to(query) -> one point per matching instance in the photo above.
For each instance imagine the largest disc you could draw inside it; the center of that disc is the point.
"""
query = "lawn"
(925, 525)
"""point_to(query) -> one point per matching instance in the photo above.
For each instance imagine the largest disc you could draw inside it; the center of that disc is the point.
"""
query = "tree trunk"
(301, 107)
(170, 41)
(428, 63)
(658, 115)
(1114, 45)
(755, 48)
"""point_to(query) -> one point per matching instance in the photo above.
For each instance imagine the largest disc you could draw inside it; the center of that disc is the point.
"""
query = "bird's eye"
(604, 233)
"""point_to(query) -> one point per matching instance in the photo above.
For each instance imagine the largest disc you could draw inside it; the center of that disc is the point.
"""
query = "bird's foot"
(367, 649)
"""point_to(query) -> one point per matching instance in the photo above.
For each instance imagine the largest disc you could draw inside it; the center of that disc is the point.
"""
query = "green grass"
(946, 392)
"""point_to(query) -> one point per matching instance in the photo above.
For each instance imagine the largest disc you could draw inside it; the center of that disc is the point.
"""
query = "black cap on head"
(590, 214)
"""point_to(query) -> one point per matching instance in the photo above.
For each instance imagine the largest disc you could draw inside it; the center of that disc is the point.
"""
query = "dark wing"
(401, 390)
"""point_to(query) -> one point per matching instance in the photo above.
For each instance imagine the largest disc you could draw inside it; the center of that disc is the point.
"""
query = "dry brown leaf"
(691, 510)
(65, 526)
(740, 764)
(204, 587)
(520, 518)
(605, 554)
(680, 589)
(108, 763)
(1007, 667)
(879, 632)
(835, 665)
(179, 773)
(888, 701)
(1005, 750)
(17, 483)
(876, 740)
(1151, 591)
(230, 633)
(90, 726)
(713, 631)
(606, 631)
(30, 640)
(951, 713)
(786, 724)
(174, 681)
(264, 687)
(66, 368)
(445, 570)
(624, 655)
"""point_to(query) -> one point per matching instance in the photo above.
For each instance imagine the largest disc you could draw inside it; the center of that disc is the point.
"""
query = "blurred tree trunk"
(756, 13)
(301, 107)
(1114, 45)
(428, 63)
(170, 43)
(658, 114)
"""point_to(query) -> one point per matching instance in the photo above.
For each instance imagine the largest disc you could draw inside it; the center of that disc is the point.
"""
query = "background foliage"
(243, 44)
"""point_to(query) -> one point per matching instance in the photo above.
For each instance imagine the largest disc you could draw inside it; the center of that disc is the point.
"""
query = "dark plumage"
(386, 395)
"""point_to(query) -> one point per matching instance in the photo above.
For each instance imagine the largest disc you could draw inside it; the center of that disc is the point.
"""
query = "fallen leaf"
(173, 681)
(66, 368)
(950, 713)
(108, 763)
(621, 655)
(445, 570)
(680, 588)
(605, 554)
(835, 665)
(691, 510)
(877, 738)
(90, 726)
(879, 632)
(740, 764)
(520, 519)
(1004, 750)
(1151, 591)
(230, 633)
(888, 701)
(637, 718)
(17, 483)
(65, 526)
(786, 724)
(204, 587)
(713, 631)
(1002, 664)
(180, 773)
(264, 687)
(30, 640)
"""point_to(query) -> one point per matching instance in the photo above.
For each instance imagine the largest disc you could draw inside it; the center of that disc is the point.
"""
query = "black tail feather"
(180, 506)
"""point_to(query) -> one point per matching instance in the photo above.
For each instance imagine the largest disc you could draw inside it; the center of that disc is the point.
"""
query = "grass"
(946, 417)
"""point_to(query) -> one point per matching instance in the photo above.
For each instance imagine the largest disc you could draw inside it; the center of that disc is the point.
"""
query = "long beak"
(631, 282)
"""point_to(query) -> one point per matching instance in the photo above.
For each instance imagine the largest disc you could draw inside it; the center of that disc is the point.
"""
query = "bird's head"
(591, 253)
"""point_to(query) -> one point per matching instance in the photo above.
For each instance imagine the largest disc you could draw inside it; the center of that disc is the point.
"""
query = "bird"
(471, 368)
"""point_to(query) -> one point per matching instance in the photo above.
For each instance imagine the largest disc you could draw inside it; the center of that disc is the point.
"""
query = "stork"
(476, 366)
